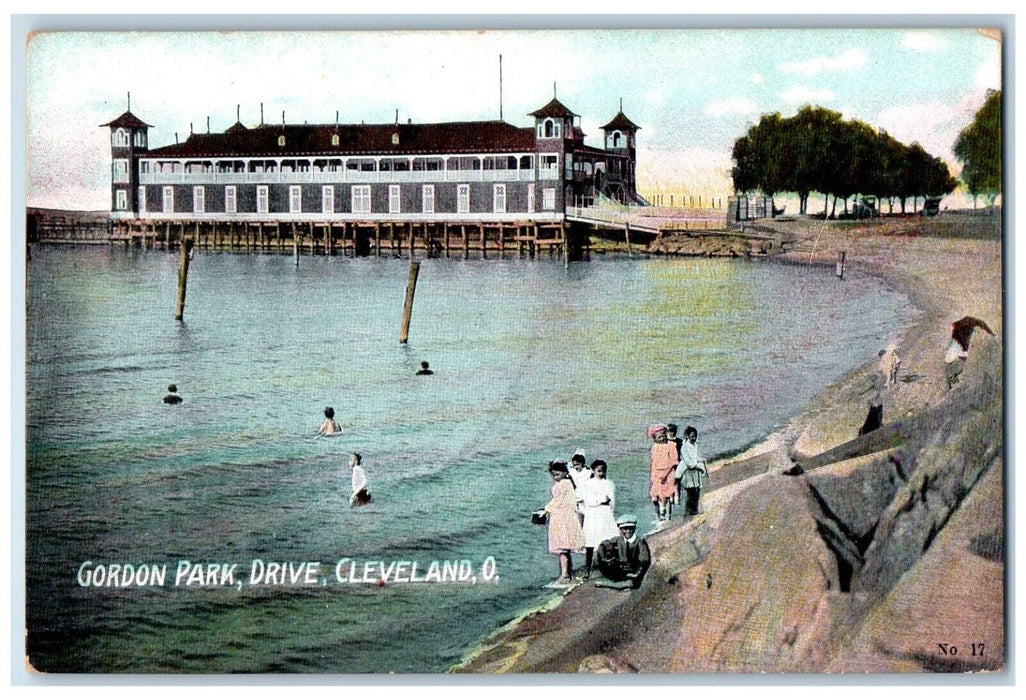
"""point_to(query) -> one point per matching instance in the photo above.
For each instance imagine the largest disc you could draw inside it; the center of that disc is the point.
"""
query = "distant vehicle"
(931, 207)
(865, 208)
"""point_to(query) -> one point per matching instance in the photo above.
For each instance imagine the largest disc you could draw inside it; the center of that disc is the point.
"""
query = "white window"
(548, 166)
(199, 200)
(140, 139)
(262, 205)
(499, 199)
(328, 199)
(281, 140)
(334, 139)
(169, 200)
(120, 137)
(549, 198)
(144, 167)
(463, 199)
(120, 170)
(230, 201)
(393, 199)
(121, 200)
(361, 199)
(142, 200)
(549, 129)
(295, 199)
(429, 199)
(530, 198)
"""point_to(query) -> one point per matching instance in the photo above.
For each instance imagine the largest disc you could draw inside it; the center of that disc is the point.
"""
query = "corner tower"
(621, 147)
(128, 141)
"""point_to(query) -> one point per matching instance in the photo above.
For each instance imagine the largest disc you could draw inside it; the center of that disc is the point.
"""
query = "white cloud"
(988, 75)
(655, 96)
(934, 125)
(852, 58)
(804, 94)
(758, 78)
(923, 41)
(731, 105)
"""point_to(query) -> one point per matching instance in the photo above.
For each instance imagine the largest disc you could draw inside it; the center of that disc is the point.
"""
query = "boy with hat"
(625, 559)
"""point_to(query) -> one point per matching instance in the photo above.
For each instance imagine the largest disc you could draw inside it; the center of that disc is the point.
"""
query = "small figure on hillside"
(172, 395)
(565, 535)
(330, 426)
(889, 364)
(691, 471)
(424, 370)
(360, 495)
(661, 475)
(958, 349)
(624, 559)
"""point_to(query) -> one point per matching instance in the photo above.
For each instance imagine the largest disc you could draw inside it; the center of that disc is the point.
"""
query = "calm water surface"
(531, 361)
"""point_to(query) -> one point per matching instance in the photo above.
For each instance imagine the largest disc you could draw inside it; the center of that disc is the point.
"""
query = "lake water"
(531, 361)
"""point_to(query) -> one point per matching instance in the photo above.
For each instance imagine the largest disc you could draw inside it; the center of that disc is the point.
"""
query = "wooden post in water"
(183, 275)
(295, 243)
(566, 247)
(411, 289)
(840, 265)
(627, 235)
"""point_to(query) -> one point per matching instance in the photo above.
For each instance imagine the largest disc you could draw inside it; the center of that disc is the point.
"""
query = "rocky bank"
(823, 551)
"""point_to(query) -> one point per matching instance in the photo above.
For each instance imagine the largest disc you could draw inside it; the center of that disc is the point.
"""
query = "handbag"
(539, 517)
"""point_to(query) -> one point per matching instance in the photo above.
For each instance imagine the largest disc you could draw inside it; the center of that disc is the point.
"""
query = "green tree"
(978, 147)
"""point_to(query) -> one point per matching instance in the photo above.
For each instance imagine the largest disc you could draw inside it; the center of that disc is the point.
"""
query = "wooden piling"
(627, 235)
(183, 276)
(411, 289)
(840, 264)
(566, 247)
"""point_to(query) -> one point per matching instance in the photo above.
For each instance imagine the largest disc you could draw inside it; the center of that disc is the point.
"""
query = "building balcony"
(354, 176)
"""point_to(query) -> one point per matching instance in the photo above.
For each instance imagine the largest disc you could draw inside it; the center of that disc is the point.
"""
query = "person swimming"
(360, 495)
(330, 426)
(172, 397)
(424, 369)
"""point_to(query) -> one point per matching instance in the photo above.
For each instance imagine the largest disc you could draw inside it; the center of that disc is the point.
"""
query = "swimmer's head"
(172, 388)
(329, 412)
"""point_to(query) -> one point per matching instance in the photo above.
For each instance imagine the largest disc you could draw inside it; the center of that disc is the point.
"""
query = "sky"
(692, 91)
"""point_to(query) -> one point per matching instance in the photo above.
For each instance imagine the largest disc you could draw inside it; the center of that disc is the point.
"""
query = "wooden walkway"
(360, 238)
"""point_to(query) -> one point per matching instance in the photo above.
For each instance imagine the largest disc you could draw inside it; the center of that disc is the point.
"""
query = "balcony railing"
(356, 176)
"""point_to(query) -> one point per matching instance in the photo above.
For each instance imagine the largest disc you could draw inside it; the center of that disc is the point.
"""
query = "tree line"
(818, 151)
(979, 148)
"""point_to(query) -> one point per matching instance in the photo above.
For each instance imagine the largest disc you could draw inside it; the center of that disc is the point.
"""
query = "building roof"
(620, 121)
(554, 108)
(315, 139)
(127, 120)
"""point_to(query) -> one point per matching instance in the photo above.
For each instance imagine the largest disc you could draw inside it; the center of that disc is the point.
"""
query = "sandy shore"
(949, 266)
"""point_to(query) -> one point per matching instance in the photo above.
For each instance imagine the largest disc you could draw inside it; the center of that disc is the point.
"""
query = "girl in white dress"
(599, 501)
